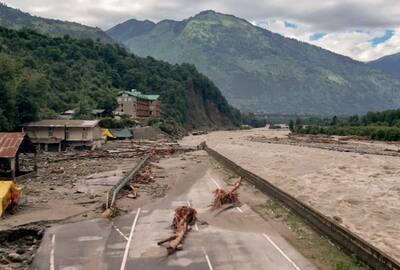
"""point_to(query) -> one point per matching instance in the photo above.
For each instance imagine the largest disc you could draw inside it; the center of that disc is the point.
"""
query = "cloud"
(343, 26)
(317, 36)
(383, 39)
(360, 44)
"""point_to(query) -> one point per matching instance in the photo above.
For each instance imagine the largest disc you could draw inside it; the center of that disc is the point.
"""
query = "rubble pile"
(18, 246)
(184, 218)
(145, 182)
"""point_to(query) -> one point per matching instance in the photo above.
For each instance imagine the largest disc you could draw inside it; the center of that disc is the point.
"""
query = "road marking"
(119, 231)
(195, 224)
(53, 243)
(124, 259)
(281, 251)
(207, 259)
(215, 182)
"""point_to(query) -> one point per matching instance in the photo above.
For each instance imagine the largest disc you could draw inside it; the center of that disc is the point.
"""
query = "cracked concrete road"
(235, 239)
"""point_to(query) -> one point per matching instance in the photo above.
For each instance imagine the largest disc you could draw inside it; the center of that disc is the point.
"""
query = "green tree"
(291, 126)
(298, 125)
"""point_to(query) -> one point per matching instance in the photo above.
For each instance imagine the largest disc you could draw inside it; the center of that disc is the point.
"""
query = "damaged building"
(17, 155)
(56, 135)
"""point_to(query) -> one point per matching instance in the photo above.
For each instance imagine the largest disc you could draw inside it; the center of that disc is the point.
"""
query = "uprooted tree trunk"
(184, 217)
(222, 197)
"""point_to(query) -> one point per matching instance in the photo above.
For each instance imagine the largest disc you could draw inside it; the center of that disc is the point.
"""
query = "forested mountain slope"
(389, 64)
(41, 76)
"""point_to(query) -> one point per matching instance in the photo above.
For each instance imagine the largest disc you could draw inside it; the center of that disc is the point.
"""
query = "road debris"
(19, 245)
(184, 218)
(222, 197)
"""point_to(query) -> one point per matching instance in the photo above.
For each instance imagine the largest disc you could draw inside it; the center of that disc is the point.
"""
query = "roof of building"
(121, 133)
(64, 122)
(94, 111)
(98, 111)
(11, 142)
(138, 94)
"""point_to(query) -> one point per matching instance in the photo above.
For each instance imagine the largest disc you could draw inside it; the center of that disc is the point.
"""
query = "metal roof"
(138, 94)
(64, 122)
(121, 133)
(10, 143)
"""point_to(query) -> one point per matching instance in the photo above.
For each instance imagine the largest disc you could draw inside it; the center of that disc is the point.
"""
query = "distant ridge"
(258, 70)
(389, 64)
(16, 19)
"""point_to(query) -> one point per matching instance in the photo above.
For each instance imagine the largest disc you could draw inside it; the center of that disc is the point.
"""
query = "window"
(84, 133)
(50, 132)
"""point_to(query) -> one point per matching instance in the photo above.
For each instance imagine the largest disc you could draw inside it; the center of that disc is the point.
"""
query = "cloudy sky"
(362, 29)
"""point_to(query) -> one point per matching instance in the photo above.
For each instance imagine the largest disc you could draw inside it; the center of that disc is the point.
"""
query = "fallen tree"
(222, 197)
(184, 218)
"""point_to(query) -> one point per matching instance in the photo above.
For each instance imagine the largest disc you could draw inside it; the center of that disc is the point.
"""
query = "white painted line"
(207, 259)
(124, 259)
(53, 244)
(195, 224)
(215, 182)
(119, 231)
(281, 251)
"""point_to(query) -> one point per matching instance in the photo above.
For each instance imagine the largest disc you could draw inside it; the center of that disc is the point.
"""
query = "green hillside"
(389, 64)
(16, 19)
(42, 76)
(258, 70)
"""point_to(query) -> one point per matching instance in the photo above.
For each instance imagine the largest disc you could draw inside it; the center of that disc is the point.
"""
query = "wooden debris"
(134, 192)
(184, 218)
(222, 197)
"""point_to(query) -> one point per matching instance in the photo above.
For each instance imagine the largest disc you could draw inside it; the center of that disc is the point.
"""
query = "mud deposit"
(19, 245)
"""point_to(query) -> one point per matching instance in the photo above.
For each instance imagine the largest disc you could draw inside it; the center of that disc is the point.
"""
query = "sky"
(362, 29)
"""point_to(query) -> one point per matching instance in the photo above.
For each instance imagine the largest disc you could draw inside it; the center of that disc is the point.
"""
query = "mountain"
(389, 64)
(258, 70)
(131, 28)
(16, 19)
(41, 76)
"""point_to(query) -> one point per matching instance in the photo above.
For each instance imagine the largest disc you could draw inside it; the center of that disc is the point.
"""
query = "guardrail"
(341, 236)
(112, 194)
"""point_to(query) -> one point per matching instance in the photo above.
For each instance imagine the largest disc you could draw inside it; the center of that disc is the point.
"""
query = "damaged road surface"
(234, 239)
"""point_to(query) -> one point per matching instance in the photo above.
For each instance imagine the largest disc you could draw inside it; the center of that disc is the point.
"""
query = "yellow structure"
(9, 193)
(107, 134)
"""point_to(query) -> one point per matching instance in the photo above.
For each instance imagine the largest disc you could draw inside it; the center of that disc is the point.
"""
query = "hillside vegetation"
(260, 71)
(389, 64)
(16, 19)
(41, 76)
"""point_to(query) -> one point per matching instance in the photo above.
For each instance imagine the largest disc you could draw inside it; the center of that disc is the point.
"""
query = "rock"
(338, 219)
(3, 261)
(15, 257)
(20, 251)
